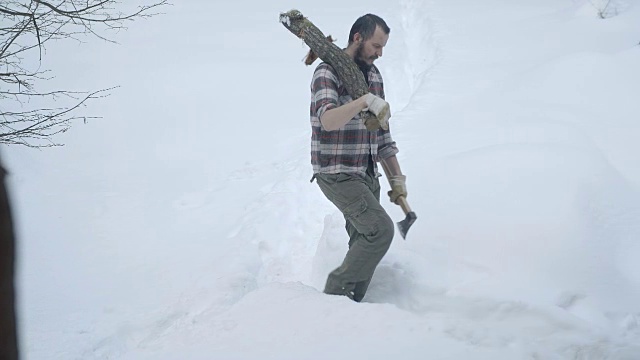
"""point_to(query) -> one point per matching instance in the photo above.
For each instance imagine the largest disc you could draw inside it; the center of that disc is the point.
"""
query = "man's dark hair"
(366, 26)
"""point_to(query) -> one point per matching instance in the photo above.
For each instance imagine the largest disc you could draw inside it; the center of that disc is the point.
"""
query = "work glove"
(398, 187)
(380, 108)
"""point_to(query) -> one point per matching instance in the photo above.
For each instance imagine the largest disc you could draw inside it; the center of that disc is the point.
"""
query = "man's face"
(368, 51)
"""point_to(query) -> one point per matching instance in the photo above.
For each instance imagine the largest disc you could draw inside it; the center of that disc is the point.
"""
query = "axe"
(410, 218)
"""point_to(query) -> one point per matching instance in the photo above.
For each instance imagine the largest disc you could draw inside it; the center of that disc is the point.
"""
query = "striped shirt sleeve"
(324, 90)
(387, 145)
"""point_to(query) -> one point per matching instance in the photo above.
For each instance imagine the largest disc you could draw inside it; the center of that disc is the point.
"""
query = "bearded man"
(345, 157)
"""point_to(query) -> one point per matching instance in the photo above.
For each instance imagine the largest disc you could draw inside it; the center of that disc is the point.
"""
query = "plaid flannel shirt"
(348, 148)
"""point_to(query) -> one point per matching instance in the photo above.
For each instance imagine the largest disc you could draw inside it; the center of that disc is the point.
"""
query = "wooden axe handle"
(402, 201)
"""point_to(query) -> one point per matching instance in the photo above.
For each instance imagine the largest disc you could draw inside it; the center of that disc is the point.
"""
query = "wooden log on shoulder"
(348, 71)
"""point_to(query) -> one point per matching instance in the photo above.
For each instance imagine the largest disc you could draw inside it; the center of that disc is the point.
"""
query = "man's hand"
(380, 108)
(398, 187)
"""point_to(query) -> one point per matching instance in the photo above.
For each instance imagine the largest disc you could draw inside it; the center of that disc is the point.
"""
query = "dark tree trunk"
(347, 70)
(8, 333)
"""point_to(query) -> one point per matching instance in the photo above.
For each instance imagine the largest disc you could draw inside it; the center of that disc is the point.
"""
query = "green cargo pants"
(369, 227)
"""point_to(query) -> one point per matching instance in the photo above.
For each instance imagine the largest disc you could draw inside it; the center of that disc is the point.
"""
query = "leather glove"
(380, 108)
(398, 187)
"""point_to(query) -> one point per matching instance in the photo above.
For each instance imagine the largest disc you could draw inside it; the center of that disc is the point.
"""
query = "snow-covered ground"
(183, 224)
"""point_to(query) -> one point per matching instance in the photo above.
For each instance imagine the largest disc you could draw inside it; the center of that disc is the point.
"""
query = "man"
(344, 155)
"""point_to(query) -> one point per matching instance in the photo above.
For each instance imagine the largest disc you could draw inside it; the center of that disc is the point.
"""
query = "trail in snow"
(530, 171)
(417, 276)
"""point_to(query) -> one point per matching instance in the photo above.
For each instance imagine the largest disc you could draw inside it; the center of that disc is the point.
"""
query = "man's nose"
(379, 52)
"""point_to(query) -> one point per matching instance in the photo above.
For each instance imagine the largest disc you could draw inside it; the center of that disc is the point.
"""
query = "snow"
(183, 224)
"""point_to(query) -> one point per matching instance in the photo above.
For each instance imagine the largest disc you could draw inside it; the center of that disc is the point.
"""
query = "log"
(348, 72)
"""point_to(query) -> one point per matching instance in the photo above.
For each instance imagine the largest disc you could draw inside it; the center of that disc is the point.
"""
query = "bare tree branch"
(27, 25)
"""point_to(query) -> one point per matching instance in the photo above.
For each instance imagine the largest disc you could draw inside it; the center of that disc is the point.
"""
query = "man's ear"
(357, 37)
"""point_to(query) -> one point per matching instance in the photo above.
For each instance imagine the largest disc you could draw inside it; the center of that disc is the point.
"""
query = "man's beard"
(361, 60)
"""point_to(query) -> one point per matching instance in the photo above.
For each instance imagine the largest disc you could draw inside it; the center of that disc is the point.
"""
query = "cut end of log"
(286, 18)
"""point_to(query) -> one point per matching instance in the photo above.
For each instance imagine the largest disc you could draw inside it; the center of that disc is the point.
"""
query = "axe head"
(405, 224)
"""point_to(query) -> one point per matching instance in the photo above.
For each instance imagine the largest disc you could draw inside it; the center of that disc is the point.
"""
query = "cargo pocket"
(360, 218)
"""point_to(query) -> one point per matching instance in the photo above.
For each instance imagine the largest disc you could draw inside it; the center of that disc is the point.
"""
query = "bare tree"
(28, 116)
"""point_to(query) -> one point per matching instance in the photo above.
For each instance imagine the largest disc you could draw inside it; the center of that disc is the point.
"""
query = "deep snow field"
(183, 225)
